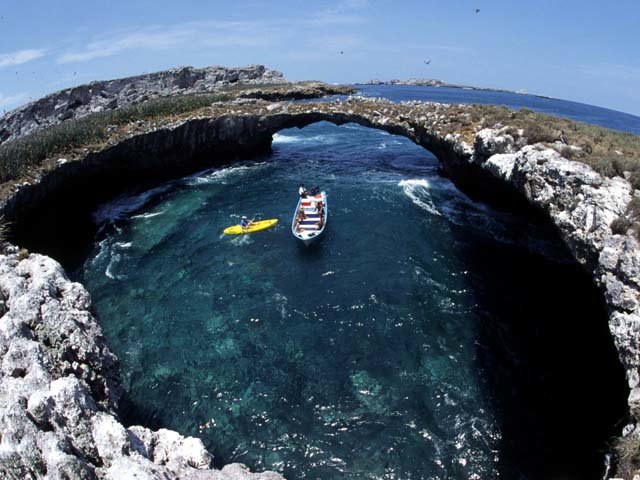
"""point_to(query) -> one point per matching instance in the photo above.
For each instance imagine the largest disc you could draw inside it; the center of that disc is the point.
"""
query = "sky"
(585, 51)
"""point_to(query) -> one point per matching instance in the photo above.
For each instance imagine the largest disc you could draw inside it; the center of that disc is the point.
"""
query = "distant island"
(430, 82)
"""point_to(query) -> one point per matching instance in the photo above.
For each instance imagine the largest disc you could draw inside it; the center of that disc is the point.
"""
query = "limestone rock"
(59, 390)
(489, 142)
(79, 101)
(59, 385)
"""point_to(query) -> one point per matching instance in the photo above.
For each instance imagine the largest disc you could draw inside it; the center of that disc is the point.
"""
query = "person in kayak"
(245, 222)
(302, 191)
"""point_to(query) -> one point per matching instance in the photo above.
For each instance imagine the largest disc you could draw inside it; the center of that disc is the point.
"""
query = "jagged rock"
(71, 372)
(59, 389)
(79, 101)
(110, 437)
(490, 142)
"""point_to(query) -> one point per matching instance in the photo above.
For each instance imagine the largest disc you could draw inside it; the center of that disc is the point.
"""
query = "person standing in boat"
(302, 191)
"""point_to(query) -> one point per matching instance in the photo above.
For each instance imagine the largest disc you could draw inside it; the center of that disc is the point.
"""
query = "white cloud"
(12, 100)
(213, 34)
(324, 19)
(19, 57)
(201, 34)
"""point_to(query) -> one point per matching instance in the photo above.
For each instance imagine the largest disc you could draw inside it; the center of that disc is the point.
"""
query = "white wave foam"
(241, 240)
(148, 215)
(102, 250)
(281, 301)
(418, 191)
(109, 271)
(125, 204)
(279, 138)
(220, 175)
(123, 244)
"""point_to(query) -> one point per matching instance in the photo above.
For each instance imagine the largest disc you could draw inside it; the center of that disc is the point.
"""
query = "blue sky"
(585, 51)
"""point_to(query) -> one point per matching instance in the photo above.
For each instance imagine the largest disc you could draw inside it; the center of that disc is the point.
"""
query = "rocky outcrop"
(82, 100)
(494, 164)
(59, 390)
(583, 205)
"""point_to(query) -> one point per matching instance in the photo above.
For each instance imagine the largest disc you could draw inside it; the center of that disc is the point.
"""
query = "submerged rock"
(59, 390)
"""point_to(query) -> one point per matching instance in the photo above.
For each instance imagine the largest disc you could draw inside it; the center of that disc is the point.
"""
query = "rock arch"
(490, 164)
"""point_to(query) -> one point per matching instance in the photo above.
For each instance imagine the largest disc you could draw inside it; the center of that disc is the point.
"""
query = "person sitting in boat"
(299, 220)
(302, 191)
(245, 222)
(315, 190)
(320, 210)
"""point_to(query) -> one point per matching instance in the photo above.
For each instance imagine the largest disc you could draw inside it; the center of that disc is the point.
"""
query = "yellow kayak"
(254, 227)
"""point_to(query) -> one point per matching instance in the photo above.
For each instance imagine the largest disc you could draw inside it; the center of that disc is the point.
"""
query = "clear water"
(407, 343)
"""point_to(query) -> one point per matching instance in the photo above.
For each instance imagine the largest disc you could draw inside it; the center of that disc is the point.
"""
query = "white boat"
(310, 218)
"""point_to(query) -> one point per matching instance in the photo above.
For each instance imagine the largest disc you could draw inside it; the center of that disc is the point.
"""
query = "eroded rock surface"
(492, 162)
(99, 96)
(59, 389)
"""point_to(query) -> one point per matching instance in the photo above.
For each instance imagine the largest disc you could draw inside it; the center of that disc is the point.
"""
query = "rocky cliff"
(82, 100)
(494, 162)
(59, 390)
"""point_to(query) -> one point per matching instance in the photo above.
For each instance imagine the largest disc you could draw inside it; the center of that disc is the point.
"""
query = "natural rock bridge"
(495, 164)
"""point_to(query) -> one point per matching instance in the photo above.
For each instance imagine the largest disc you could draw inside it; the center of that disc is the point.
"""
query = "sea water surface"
(553, 106)
(424, 336)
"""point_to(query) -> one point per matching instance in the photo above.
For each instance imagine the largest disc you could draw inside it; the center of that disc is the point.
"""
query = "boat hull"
(312, 227)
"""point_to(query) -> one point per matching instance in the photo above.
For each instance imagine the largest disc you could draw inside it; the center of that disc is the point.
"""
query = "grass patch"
(609, 152)
(18, 155)
(627, 454)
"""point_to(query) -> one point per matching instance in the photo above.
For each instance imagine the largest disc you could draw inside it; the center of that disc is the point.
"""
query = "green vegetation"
(16, 156)
(611, 153)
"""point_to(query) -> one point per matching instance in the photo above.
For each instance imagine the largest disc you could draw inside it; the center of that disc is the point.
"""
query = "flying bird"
(341, 52)
(477, 10)
(427, 62)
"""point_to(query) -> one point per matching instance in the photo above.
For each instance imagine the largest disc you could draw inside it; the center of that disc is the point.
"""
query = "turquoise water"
(404, 344)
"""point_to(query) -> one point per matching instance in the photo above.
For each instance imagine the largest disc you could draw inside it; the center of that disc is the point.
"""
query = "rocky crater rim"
(98, 96)
(488, 152)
